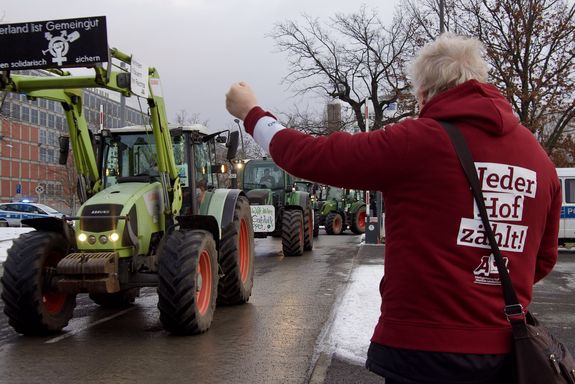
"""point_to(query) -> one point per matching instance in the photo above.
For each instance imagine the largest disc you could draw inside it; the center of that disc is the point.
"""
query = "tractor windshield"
(203, 160)
(262, 175)
(129, 155)
(134, 154)
(335, 193)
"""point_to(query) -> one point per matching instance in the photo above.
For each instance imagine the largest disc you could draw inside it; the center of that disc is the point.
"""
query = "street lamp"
(237, 121)
(8, 145)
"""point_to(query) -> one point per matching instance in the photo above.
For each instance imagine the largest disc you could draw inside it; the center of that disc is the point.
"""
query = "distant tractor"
(278, 209)
(312, 189)
(340, 209)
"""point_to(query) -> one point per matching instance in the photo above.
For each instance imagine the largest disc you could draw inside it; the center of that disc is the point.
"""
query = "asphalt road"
(272, 339)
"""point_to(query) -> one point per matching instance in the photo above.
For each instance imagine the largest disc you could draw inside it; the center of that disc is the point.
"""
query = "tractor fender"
(53, 224)
(327, 207)
(356, 206)
(222, 205)
(299, 199)
(204, 222)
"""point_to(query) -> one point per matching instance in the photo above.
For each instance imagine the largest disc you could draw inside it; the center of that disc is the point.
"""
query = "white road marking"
(89, 325)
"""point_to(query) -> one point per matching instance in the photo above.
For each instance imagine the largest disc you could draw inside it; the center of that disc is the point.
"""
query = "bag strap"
(513, 309)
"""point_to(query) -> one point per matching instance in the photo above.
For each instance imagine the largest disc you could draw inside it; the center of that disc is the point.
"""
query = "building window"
(34, 116)
(42, 103)
(5, 108)
(52, 139)
(43, 155)
(42, 137)
(15, 111)
(50, 158)
(51, 121)
(25, 114)
(59, 122)
(51, 105)
(43, 121)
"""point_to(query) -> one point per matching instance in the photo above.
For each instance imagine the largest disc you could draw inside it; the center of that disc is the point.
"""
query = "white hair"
(448, 61)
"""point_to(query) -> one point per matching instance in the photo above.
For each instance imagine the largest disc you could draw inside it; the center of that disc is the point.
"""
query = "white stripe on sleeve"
(264, 131)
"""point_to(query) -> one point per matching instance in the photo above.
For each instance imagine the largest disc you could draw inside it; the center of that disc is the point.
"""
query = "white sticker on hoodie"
(505, 189)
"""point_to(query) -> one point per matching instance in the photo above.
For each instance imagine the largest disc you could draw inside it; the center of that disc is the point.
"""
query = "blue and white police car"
(11, 214)
(567, 223)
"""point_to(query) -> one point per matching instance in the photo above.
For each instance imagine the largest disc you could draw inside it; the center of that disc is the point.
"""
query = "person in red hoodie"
(442, 317)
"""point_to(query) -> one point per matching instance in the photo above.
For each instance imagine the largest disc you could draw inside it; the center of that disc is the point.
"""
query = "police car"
(12, 213)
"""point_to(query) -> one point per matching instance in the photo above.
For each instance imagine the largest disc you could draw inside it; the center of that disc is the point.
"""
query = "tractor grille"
(100, 217)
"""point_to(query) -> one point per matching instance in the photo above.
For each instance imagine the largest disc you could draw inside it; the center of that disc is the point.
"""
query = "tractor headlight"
(92, 239)
(82, 237)
(114, 236)
(103, 239)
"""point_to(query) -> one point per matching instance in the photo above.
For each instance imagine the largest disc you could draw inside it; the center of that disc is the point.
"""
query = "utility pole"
(237, 121)
(441, 16)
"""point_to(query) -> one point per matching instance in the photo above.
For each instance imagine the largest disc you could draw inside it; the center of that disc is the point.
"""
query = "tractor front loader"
(152, 215)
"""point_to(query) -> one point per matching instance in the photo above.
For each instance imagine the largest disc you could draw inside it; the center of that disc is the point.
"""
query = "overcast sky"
(200, 47)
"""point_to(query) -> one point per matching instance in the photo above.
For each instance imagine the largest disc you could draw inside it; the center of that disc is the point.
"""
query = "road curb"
(370, 250)
(320, 369)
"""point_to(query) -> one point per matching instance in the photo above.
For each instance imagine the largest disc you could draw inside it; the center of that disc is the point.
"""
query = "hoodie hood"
(475, 104)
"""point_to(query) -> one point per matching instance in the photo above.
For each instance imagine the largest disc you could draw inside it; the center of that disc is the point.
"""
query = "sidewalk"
(7, 234)
(342, 346)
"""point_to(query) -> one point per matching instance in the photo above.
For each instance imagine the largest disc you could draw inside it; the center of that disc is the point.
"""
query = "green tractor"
(312, 189)
(278, 209)
(152, 215)
(340, 209)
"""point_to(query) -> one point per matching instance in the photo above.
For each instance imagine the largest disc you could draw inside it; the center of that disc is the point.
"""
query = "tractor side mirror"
(232, 144)
(64, 142)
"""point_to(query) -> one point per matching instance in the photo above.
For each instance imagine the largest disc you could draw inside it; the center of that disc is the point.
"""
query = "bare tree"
(530, 46)
(313, 123)
(252, 149)
(183, 118)
(353, 59)
(67, 177)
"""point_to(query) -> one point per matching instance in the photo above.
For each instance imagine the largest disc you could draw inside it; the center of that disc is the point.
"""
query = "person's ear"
(421, 98)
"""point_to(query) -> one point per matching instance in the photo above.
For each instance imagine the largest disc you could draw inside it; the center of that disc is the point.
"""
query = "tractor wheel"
(316, 219)
(31, 302)
(292, 232)
(188, 282)
(120, 299)
(237, 257)
(334, 223)
(358, 221)
(308, 230)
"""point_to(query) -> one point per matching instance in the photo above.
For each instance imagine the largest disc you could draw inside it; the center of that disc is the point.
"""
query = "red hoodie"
(441, 288)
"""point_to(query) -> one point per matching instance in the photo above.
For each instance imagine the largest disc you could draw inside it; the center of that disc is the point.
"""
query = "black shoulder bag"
(538, 357)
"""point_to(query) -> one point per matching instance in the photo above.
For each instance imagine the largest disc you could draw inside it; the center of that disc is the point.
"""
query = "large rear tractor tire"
(237, 255)
(122, 299)
(292, 232)
(334, 223)
(358, 221)
(308, 230)
(188, 282)
(32, 303)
